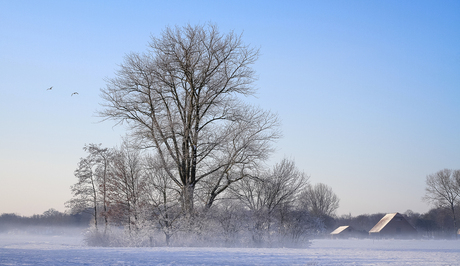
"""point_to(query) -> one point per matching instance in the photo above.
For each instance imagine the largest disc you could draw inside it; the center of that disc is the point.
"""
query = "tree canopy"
(183, 99)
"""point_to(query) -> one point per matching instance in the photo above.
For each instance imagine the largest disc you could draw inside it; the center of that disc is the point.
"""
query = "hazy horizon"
(368, 92)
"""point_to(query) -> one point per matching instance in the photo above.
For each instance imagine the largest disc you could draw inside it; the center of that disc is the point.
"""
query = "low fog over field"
(68, 249)
(54, 238)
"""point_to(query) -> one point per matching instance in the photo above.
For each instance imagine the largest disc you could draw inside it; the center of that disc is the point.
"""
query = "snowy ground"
(27, 249)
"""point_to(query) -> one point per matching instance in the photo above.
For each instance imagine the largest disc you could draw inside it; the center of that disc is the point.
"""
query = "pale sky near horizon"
(368, 92)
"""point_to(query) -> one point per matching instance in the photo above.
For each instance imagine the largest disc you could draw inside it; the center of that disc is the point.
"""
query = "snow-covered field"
(28, 249)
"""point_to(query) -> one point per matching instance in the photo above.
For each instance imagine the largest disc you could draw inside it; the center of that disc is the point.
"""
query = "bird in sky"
(73, 93)
(50, 88)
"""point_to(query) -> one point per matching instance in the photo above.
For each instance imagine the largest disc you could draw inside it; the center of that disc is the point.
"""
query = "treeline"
(437, 223)
(49, 219)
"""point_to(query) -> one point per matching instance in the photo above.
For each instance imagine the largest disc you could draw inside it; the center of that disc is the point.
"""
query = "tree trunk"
(187, 198)
(106, 222)
(95, 216)
(168, 239)
(452, 207)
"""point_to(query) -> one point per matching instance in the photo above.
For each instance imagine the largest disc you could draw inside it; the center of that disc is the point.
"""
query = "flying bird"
(50, 88)
(73, 93)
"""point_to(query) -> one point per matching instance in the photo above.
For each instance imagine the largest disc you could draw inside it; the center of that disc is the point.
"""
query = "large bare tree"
(443, 190)
(183, 98)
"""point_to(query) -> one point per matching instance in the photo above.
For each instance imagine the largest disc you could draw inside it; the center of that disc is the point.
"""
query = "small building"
(393, 225)
(342, 232)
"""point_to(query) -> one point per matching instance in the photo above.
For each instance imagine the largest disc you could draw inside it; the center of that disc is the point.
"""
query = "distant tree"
(162, 197)
(103, 158)
(443, 190)
(86, 191)
(90, 191)
(427, 223)
(271, 196)
(52, 212)
(411, 217)
(183, 98)
(125, 185)
(320, 200)
(7, 220)
(231, 219)
(274, 189)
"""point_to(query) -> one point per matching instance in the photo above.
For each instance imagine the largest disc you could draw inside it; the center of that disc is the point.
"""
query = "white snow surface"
(29, 249)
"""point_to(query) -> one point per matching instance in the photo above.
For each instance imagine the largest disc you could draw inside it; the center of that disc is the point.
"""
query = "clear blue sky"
(368, 91)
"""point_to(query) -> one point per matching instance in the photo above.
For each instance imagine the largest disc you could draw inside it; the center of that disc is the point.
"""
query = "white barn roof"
(383, 222)
(339, 230)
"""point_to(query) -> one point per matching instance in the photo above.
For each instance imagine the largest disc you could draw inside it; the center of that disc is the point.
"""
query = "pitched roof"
(383, 222)
(339, 230)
